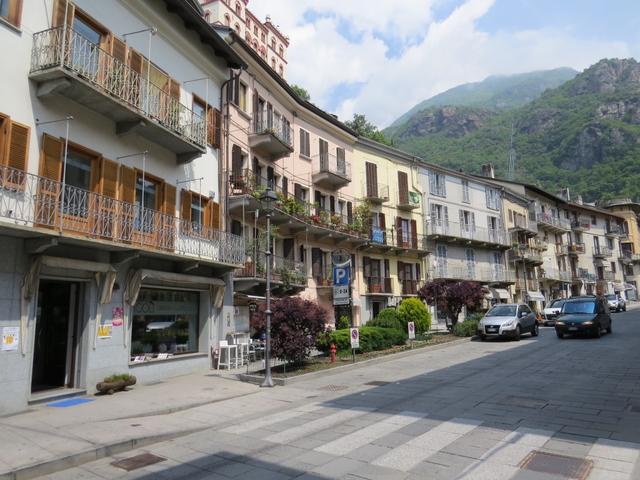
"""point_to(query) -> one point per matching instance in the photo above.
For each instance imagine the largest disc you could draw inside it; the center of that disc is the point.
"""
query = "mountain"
(496, 92)
(584, 134)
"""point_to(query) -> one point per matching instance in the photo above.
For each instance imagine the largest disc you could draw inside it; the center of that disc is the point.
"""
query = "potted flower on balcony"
(315, 218)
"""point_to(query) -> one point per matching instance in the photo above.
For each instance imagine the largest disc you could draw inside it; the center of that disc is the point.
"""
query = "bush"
(468, 328)
(371, 339)
(387, 318)
(414, 310)
(475, 317)
(343, 322)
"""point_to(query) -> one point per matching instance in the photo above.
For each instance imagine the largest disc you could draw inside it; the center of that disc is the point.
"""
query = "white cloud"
(438, 54)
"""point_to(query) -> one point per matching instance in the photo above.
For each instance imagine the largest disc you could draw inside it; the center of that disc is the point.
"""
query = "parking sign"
(341, 276)
(412, 330)
(355, 338)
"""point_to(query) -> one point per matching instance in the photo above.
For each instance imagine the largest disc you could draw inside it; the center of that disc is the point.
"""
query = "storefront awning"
(501, 293)
(535, 296)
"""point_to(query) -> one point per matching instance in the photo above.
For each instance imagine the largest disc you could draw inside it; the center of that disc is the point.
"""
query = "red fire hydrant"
(332, 351)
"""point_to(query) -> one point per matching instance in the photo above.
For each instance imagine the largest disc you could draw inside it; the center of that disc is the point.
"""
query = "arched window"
(281, 51)
(247, 37)
(255, 30)
(262, 37)
(255, 44)
(238, 9)
(273, 44)
(238, 28)
(273, 63)
(281, 71)
(227, 19)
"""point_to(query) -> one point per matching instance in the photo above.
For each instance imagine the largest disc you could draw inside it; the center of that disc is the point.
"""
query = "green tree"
(301, 92)
(414, 310)
(365, 128)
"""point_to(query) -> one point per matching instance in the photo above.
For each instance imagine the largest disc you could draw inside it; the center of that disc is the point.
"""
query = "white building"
(113, 256)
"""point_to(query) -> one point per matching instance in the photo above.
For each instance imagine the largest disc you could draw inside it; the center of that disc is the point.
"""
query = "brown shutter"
(174, 89)
(297, 191)
(59, 7)
(371, 171)
(118, 49)
(285, 186)
(18, 146)
(169, 200)
(417, 272)
(349, 213)
(51, 160)
(127, 184)
(366, 267)
(383, 227)
(185, 205)
(400, 271)
(108, 178)
(214, 133)
(398, 231)
(403, 188)
(215, 214)
(332, 204)
(316, 262)
(15, 12)
(414, 234)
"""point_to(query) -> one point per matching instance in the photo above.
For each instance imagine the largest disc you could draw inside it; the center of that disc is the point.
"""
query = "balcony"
(269, 138)
(551, 222)
(38, 205)
(531, 285)
(83, 72)
(540, 244)
(323, 275)
(396, 239)
(378, 285)
(331, 172)
(455, 232)
(408, 201)
(575, 249)
(286, 274)
(526, 254)
(581, 224)
(629, 257)
(602, 252)
(583, 275)
(378, 193)
(410, 287)
(460, 270)
(525, 225)
(614, 231)
(556, 275)
(608, 276)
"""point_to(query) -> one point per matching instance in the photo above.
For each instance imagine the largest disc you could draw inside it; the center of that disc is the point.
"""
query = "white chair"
(232, 353)
(243, 349)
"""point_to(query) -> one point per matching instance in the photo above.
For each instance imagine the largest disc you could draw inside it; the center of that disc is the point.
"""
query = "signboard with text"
(341, 295)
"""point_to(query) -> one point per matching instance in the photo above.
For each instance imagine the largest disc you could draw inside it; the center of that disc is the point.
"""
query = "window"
(281, 70)
(440, 215)
(273, 44)
(371, 174)
(465, 191)
(14, 144)
(273, 62)
(77, 183)
(146, 199)
(493, 198)
(305, 146)
(85, 45)
(610, 243)
(165, 323)
(237, 27)
(11, 11)
(467, 222)
(227, 20)
(255, 30)
(437, 184)
(281, 51)
(613, 267)
(594, 220)
(197, 213)
(242, 97)
(510, 216)
(238, 9)
(262, 37)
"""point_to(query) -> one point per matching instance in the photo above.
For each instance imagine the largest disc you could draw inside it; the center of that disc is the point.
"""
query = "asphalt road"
(541, 408)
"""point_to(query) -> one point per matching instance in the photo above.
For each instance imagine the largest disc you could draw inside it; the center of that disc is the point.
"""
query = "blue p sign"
(341, 276)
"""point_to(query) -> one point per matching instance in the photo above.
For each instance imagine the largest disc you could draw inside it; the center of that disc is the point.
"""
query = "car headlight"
(508, 323)
(588, 323)
(559, 322)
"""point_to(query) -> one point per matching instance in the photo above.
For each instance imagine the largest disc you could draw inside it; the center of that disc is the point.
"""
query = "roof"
(191, 14)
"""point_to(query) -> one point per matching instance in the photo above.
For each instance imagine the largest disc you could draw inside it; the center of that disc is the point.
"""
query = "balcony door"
(470, 256)
(440, 218)
(323, 146)
(441, 260)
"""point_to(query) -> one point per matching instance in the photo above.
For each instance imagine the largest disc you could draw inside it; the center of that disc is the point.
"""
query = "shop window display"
(165, 323)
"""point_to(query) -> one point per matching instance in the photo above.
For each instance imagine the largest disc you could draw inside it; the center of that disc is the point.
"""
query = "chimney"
(566, 194)
(488, 170)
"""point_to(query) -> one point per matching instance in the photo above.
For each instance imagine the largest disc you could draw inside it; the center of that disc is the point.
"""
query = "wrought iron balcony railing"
(602, 252)
(115, 80)
(283, 270)
(457, 270)
(331, 171)
(31, 201)
(397, 237)
(377, 193)
(265, 123)
(439, 228)
(378, 285)
(582, 274)
(549, 220)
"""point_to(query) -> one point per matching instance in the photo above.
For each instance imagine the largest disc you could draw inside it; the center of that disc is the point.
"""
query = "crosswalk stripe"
(366, 435)
(503, 460)
(271, 419)
(411, 453)
(314, 426)
(613, 458)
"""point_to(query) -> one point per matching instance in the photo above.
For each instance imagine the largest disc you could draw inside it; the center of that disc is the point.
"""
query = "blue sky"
(378, 59)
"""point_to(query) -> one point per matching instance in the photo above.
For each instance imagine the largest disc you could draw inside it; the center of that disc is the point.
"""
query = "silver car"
(508, 320)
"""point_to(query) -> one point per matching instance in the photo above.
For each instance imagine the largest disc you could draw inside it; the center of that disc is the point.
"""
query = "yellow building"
(390, 266)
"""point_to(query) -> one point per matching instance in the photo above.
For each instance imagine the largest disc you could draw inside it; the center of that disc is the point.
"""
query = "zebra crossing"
(502, 461)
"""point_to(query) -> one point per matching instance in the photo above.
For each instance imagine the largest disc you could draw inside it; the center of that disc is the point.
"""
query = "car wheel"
(560, 334)
(535, 330)
(517, 335)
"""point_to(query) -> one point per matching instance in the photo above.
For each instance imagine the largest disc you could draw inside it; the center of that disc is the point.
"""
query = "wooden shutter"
(317, 200)
(287, 248)
(403, 188)
(185, 205)
(350, 213)
(371, 171)
(14, 13)
(215, 214)
(285, 186)
(414, 234)
(399, 231)
(332, 204)
(174, 89)
(169, 200)
(401, 271)
(59, 7)
(297, 191)
(108, 178)
(51, 161)
(417, 277)
(383, 227)
(236, 163)
(366, 267)
(18, 146)
(316, 262)
(127, 184)
(118, 49)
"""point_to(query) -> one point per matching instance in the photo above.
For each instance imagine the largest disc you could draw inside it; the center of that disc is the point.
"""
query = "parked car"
(616, 303)
(587, 314)
(508, 320)
(551, 311)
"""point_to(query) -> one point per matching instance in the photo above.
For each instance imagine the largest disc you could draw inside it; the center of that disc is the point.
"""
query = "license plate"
(492, 330)
(573, 329)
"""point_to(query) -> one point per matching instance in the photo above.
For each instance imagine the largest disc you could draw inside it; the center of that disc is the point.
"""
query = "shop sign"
(10, 338)
(117, 316)
(341, 295)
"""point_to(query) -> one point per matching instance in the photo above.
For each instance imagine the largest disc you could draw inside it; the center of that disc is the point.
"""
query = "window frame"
(14, 14)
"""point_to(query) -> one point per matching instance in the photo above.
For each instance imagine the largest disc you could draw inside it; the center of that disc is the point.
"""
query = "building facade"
(113, 258)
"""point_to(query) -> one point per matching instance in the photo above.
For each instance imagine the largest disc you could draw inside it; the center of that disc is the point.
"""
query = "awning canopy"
(535, 296)
(501, 293)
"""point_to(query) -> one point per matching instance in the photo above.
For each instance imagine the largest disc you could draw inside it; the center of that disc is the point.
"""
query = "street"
(541, 408)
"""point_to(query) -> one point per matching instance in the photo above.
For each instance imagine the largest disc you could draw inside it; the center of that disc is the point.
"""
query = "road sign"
(341, 295)
(412, 330)
(355, 338)
(341, 275)
(340, 257)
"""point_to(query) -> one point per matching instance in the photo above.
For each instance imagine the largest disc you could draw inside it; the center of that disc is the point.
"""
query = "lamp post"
(267, 201)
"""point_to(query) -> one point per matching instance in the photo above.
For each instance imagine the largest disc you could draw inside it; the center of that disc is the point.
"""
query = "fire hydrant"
(332, 351)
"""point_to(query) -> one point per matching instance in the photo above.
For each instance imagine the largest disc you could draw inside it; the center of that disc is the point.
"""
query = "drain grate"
(138, 461)
(378, 383)
(335, 388)
(569, 467)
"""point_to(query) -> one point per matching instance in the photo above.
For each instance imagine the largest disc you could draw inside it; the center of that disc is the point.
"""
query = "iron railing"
(114, 78)
(265, 122)
(608, 276)
(284, 270)
(328, 163)
(525, 253)
(438, 227)
(555, 274)
(581, 223)
(398, 237)
(461, 270)
(410, 287)
(378, 284)
(582, 274)
(33, 201)
(546, 218)
(532, 284)
(524, 223)
(602, 252)
(378, 193)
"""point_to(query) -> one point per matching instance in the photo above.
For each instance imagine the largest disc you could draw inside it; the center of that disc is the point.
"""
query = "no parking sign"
(355, 338)
(412, 330)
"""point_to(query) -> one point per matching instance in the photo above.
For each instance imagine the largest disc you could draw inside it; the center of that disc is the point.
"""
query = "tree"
(364, 128)
(413, 310)
(301, 92)
(295, 324)
(452, 296)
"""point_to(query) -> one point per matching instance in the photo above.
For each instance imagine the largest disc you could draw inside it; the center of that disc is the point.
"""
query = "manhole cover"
(335, 388)
(139, 461)
(570, 467)
(377, 383)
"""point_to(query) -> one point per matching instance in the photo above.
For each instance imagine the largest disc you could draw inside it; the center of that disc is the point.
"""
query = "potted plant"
(116, 383)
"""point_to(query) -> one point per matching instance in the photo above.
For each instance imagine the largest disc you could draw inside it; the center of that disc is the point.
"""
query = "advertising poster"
(117, 316)
(10, 338)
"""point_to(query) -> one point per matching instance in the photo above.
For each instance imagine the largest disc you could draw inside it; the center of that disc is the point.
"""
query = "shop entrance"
(55, 335)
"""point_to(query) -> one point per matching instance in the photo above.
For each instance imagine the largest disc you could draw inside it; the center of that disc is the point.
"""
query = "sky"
(381, 58)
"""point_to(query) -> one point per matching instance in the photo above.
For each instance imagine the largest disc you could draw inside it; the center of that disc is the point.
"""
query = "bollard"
(332, 350)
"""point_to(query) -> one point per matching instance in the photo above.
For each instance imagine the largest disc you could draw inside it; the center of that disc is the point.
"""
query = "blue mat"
(70, 402)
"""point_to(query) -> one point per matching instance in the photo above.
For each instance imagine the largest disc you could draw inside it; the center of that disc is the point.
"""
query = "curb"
(257, 379)
(86, 456)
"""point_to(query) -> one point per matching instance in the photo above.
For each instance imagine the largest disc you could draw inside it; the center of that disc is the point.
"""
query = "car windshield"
(586, 306)
(611, 297)
(557, 303)
(502, 311)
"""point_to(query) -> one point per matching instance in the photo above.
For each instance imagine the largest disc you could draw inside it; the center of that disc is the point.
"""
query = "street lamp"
(267, 202)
